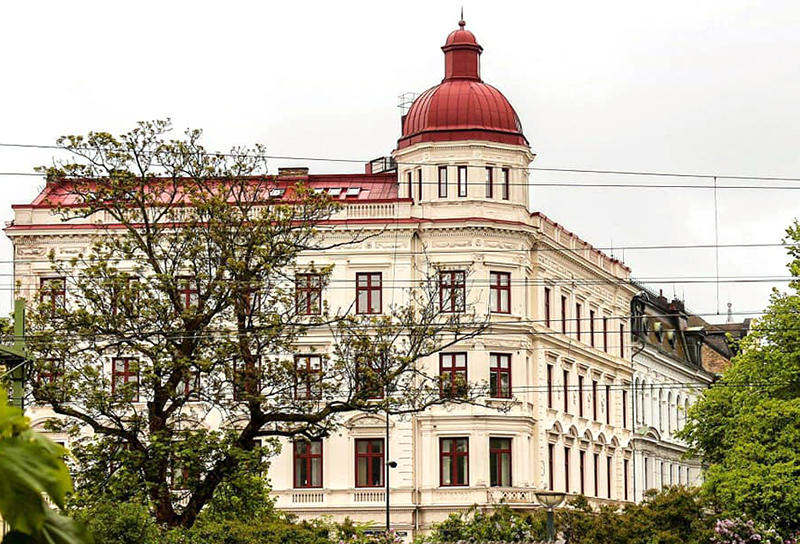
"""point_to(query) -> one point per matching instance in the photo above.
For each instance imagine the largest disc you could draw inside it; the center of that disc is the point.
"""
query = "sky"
(694, 87)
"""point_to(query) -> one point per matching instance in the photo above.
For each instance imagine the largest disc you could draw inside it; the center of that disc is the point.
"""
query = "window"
(308, 293)
(308, 463)
(500, 292)
(547, 307)
(596, 472)
(580, 396)
(452, 290)
(578, 321)
(605, 334)
(369, 462)
(591, 328)
(567, 453)
(566, 390)
(125, 291)
(124, 371)
(53, 293)
(369, 380)
(625, 477)
(189, 382)
(506, 184)
(188, 292)
(622, 340)
(453, 461)
(609, 476)
(594, 400)
(246, 380)
(500, 375)
(462, 181)
(624, 409)
(442, 182)
(419, 184)
(409, 179)
(550, 466)
(500, 462)
(453, 375)
(489, 182)
(563, 314)
(549, 386)
(582, 467)
(307, 377)
(368, 293)
(608, 404)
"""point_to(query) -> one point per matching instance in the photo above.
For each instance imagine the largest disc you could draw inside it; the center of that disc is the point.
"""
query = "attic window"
(671, 338)
(335, 191)
(276, 193)
(319, 190)
(353, 191)
(659, 330)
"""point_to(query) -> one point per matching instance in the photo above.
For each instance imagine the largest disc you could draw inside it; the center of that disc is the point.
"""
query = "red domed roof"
(462, 107)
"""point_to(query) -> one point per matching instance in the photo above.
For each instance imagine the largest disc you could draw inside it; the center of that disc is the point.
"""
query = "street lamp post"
(550, 500)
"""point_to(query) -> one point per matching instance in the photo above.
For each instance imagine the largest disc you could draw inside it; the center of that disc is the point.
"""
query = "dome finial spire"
(461, 22)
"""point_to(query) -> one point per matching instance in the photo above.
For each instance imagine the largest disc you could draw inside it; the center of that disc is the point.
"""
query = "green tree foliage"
(747, 426)
(174, 342)
(32, 468)
(487, 525)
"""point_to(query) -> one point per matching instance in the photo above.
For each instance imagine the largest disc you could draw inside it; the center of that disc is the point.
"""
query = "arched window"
(669, 413)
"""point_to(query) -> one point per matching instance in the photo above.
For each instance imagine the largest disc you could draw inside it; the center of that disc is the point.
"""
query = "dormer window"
(658, 329)
(353, 191)
(276, 193)
(671, 338)
(335, 191)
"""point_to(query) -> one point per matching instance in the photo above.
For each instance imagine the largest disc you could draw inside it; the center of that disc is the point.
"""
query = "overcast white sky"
(680, 86)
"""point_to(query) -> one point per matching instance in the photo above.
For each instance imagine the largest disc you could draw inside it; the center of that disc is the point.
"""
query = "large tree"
(172, 339)
(747, 426)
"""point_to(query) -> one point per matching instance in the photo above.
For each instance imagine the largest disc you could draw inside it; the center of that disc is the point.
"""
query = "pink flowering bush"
(739, 531)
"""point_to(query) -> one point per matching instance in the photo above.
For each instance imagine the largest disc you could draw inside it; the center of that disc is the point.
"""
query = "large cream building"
(455, 195)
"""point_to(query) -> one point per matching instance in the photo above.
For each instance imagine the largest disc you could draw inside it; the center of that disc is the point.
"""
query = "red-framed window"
(582, 470)
(246, 379)
(591, 328)
(547, 307)
(125, 376)
(566, 391)
(370, 462)
(506, 183)
(442, 182)
(307, 377)
(452, 375)
(452, 290)
(53, 293)
(499, 462)
(605, 334)
(563, 314)
(500, 375)
(580, 395)
(551, 465)
(489, 182)
(308, 463)
(567, 453)
(369, 292)
(188, 383)
(608, 404)
(308, 293)
(500, 292)
(594, 400)
(549, 386)
(462, 181)
(125, 290)
(369, 380)
(453, 461)
(188, 293)
(578, 320)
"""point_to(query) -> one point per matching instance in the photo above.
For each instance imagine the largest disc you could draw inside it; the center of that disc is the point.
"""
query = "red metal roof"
(462, 107)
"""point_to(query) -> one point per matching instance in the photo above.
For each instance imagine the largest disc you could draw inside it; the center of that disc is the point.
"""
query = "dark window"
(307, 377)
(622, 340)
(624, 409)
(462, 181)
(596, 472)
(547, 306)
(625, 477)
(453, 461)
(452, 290)
(577, 321)
(591, 327)
(125, 377)
(369, 462)
(605, 334)
(594, 400)
(500, 375)
(124, 291)
(442, 181)
(369, 380)
(308, 463)
(308, 293)
(453, 374)
(580, 396)
(549, 386)
(550, 466)
(500, 292)
(609, 476)
(53, 293)
(419, 185)
(564, 314)
(506, 184)
(409, 177)
(489, 182)
(567, 453)
(566, 391)
(368, 293)
(608, 404)
(500, 462)
(582, 468)
(188, 292)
